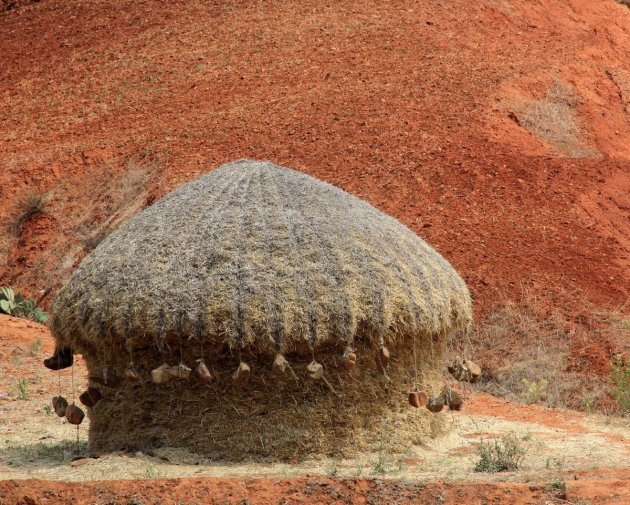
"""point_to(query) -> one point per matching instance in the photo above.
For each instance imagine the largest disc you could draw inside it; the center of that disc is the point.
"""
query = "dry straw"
(248, 261)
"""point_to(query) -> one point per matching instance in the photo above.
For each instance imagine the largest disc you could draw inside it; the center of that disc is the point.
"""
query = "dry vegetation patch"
(553, 120)
(533, 355)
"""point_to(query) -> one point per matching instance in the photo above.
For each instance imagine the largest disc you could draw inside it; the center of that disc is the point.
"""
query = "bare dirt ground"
(498, 130)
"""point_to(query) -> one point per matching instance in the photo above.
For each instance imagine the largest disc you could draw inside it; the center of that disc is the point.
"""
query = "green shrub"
(535, 391)
(17, 305)
(502, 454)
(21, 389)
(620, 380)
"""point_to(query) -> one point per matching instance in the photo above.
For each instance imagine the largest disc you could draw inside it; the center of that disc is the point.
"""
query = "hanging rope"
(130, 351)
(181, 351)
(72, 378)
(415, 363)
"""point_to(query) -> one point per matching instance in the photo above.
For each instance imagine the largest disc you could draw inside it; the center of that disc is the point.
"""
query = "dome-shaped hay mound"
(246, 262)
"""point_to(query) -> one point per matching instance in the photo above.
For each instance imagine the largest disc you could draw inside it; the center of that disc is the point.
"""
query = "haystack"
(247, 263)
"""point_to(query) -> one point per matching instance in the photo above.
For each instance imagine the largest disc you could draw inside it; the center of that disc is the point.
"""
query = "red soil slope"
(412, 106)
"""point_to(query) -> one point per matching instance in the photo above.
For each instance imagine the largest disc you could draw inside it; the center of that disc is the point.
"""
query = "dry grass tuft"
(30, 206)
(115, 199)
(552, 120)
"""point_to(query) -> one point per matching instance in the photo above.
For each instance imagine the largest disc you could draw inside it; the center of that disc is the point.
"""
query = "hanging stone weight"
(348, 360)
(180, 371)
(418, 398)
(453, 399)
(60, 404)
(161, 375)
(280, 364)
(435, 403)
(90, 397)
(315, 370)
(241, 375)
(74, 414)
(414, 401)
(382, 359)
(202, 373)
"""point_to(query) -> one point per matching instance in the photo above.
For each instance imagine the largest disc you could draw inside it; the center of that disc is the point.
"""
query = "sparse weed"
(36, 346)
(589, 401)
(555, 486)
(620, 380)
(535, 391)
(33, 204)
(503, 454)
(152, 472)
(554, 464)
(21, 389)
(384, 462)
(47, 409)
(59, 452)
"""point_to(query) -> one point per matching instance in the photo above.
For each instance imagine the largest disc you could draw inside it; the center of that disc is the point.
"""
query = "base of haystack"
(269, 418)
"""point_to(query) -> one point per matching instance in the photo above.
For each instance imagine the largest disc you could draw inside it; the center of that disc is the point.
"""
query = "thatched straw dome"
(263, 257)
(251, 260)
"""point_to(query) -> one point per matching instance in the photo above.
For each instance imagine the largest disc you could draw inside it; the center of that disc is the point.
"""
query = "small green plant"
(17, 305)
(503, 454)
(152, 472)
(556, 486)
(620, 380)
(554, 464)
(22, 389)
(36, 346)
(47, 409)
(589, 402)
(384, 461)
(535, 391)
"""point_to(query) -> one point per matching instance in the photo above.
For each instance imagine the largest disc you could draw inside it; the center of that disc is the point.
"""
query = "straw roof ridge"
(256, 255)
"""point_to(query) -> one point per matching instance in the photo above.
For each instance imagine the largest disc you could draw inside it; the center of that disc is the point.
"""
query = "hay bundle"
(243, 264)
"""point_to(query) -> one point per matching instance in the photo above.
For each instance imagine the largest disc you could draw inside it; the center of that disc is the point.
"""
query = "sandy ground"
(562, 447)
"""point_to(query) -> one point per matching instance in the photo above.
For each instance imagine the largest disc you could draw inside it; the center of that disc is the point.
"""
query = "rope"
(59, 371)
(181, 351)
(72, 375)
(130, 351)
(415, 361)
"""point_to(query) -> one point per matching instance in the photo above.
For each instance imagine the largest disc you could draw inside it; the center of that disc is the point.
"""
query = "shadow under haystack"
(257, 266)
